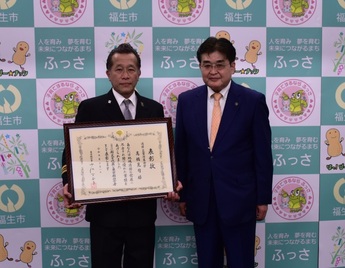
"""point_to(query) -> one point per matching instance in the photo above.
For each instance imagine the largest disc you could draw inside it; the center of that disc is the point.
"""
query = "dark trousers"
(122, 247)
(213, 238)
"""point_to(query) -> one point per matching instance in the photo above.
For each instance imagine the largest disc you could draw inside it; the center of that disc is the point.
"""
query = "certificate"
(119, 160)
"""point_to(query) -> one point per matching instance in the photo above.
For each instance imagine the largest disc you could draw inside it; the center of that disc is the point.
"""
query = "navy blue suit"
(114, 219)
(227, 184)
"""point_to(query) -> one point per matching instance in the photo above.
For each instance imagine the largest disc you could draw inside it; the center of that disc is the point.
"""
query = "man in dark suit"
(122, 231)
(226, 184)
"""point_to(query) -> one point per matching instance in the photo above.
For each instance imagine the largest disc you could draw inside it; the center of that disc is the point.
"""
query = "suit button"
(211, 156)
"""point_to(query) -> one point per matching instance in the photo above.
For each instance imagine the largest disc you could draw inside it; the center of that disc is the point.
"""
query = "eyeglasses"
(217, 66)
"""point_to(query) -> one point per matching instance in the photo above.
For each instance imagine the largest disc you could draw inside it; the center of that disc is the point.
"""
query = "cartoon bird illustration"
(253, 51)
(28, 251)
(298, 7)
(67, 7)
(3, 250)
(20, 54)
(333, 142)
(296, 199)
(297, 102)
(70, 104)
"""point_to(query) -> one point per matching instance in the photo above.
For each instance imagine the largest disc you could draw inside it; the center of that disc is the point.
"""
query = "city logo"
(342, 3)
(172, 211)
(293, 198)
(7, 4)
(293, 101)
(169, 96)
(63, 12)
(13, 197)
(181, 12)
(133, 38)
(338, 193)
(120, 4)
(61, 101)
(294, 12)
(239, 4)
(11, 99)
(339, 94)
(56, 209)
(14, 156)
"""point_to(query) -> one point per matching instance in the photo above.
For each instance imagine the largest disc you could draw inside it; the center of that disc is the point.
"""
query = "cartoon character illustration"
(287, 6)
(173, 102)
(1, 59)
(55, 5)
(58, 104)
(284, 202)
(285, 103)
(256, 248)
(67, 7)
(28, 251)
(298, 7)
(296, 199)
(173, 5)
(333, 142)
(253, 51)
(60, 204)
(297, 102)
(70, 104)
(20, 54)
(224, 34)
(185, 7)
(72, 212)
(3, 250)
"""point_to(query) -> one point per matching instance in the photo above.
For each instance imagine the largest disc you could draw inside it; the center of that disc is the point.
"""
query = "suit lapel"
(200, 111)
(142, 110)
(231, 108)
(113, 109)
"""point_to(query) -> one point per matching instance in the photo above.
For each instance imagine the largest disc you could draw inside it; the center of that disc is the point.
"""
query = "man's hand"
(67, 196)
(183, 208)
(261, 211)
(174, 196)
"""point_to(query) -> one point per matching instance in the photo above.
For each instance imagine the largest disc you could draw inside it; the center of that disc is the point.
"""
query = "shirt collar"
(224, 91)
(119, 98)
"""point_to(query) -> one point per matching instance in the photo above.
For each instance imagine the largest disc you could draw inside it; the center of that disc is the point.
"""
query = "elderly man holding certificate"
(123, 231)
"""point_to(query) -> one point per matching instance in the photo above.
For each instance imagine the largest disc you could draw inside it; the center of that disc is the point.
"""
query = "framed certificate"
(119, 160)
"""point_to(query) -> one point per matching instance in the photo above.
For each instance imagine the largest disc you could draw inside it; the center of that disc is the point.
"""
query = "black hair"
(213, 44)
(124, 48)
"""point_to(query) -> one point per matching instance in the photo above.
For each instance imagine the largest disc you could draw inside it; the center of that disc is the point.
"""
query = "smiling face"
(216, 78)
(124, 73)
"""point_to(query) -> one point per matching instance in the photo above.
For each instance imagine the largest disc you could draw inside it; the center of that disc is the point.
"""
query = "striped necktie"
(127, 113)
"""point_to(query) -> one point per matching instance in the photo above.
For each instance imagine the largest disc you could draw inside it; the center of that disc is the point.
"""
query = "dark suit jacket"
(240, 165)
(124, 213)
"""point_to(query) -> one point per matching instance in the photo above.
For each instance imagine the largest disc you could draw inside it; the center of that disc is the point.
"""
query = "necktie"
(216, 116)
(127, 113)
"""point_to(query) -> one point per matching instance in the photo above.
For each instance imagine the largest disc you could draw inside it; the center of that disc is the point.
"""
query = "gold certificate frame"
(117, 161)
